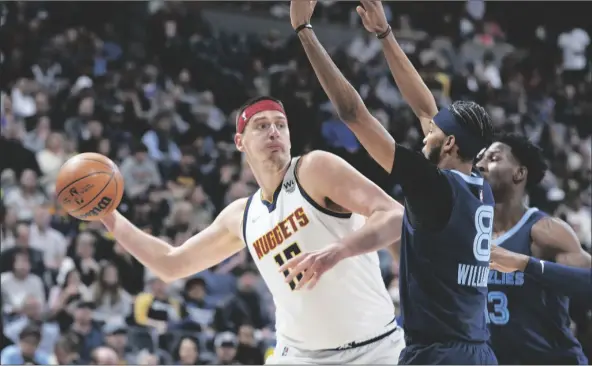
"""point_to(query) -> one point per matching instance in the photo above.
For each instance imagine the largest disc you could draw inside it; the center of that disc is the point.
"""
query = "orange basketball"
(89, 186)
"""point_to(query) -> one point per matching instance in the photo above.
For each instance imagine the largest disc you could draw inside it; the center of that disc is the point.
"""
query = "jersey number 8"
(484, 228)
(290, 252)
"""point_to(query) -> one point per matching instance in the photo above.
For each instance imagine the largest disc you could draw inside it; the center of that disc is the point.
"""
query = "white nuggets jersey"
(349, 303)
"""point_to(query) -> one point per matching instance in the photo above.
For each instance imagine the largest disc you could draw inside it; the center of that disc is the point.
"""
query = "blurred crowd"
(155, 87)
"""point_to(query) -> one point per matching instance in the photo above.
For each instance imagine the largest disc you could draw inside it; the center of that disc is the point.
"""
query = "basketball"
(89, 186)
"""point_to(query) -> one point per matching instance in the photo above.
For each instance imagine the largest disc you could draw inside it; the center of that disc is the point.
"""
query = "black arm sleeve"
(427, 191)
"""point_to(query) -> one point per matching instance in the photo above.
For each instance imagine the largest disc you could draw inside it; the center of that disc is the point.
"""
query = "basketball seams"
(97, 195)
(81, 178)
(86, 164)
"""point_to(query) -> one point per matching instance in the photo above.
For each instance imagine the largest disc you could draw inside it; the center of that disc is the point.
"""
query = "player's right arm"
(344, 97)
(217, 242)
(410, 84)
(567, 280)
(427, 191)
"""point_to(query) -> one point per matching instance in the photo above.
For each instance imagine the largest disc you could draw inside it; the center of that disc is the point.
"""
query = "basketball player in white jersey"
(314, 203)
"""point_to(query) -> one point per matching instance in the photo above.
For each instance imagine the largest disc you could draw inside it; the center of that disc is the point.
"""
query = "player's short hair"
(475, 120)
(252, 101)
(527, 154)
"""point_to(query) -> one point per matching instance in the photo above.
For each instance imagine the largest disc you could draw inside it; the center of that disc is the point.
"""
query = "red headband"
(250, 111)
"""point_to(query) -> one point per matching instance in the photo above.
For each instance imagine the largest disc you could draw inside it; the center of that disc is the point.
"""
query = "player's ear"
(238, 141)
(448, 144)
(520, 174)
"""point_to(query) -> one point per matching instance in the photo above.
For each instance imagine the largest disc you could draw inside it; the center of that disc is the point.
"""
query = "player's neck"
(453, 164)
(507, 213)
(269, 177)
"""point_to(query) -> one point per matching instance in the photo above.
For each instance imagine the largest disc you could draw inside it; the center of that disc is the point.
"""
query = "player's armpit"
(553, 239)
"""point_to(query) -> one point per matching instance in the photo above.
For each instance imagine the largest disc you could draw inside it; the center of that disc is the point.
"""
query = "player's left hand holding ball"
(312, 265)
(89, 186)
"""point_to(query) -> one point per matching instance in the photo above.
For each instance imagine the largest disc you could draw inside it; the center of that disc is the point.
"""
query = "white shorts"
(382, 352)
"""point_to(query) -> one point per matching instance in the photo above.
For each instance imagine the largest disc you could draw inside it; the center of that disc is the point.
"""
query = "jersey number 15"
(290, 252)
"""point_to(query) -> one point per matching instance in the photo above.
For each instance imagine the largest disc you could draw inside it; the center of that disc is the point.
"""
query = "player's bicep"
(332, 177)
(557, 240)
(212, 245)
(376, 140)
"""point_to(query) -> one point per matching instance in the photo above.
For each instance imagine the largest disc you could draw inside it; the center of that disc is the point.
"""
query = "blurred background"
(155, 86)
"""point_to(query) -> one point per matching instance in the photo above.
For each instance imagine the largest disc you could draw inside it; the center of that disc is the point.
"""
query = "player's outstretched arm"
(346, 100)
(567, 280)
(217, 242)
(326, 176)
(554, 239)
(412, 87)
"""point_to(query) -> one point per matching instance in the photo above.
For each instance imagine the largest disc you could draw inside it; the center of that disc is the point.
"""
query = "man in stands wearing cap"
(25, 352)
(317, 204)
(90, 337)
(225, 345)
(116, 338)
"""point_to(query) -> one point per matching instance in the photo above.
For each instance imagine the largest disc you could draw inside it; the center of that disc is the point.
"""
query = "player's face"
(433, 143)
(498, 166)
(266, 137)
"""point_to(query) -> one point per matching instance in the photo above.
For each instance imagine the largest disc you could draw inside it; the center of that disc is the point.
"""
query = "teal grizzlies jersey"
(529, 323)
(444, 273)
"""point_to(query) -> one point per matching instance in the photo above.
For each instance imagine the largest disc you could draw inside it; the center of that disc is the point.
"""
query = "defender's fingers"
(300, 268)
(292, 263)
(306, 276)
(315, 279)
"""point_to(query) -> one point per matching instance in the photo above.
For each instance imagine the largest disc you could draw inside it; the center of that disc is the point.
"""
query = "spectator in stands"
(185, 176)
(103, 356)
(115, 333)
(47, 239)
(32, 313)
(244, 307)
(65, 296)
(186, 352)
(225, 346)
(26, 197)
(132, 279)
(51, 159)
(89, 334)
(35, 140)
(156, 308)
(159, 141)
(112, 301)
(139, 172)
(196, 307)
(20, 283)
(83, 258)
(22, 245)
(8, 228)
(4, 340)
(65, 352)
(147, 358)
(26, 350)
(248, 350)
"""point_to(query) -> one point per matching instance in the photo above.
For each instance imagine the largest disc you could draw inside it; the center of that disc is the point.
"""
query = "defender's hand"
(504, 260)
(373, 17)
(301, 12)
(312, 265)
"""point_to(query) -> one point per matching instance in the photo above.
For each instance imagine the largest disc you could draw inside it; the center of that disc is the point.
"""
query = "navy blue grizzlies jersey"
(444, 273)
(529, 324)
